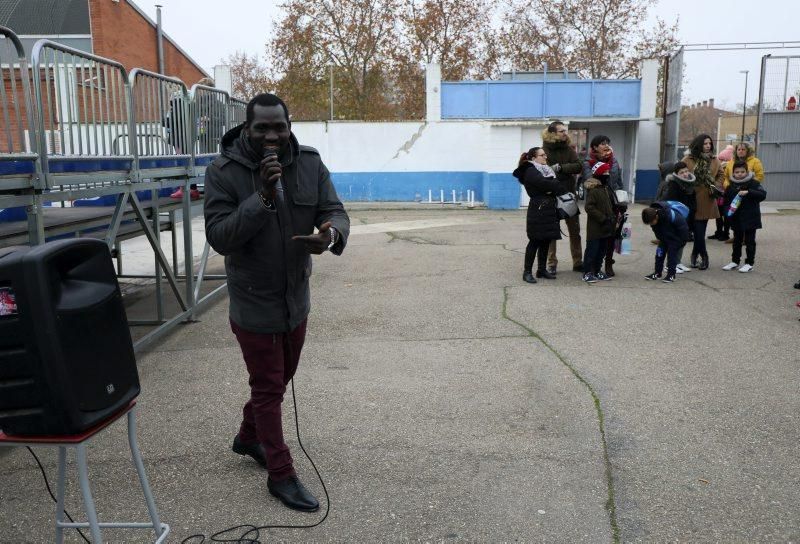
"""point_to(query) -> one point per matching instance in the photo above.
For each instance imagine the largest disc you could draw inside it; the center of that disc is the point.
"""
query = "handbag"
(622, 196)
(567, 205)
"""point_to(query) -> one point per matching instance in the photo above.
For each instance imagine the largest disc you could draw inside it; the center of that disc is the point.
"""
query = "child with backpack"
(680, 188)
(745, 194)
(668, 221)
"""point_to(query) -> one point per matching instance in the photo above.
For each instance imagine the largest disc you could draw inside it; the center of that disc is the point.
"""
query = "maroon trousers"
(271, 361)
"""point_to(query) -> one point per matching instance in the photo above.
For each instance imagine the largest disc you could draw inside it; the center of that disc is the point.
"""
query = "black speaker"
(66, 356)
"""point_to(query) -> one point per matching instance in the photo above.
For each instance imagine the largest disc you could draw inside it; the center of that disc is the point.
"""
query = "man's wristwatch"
(333, 238)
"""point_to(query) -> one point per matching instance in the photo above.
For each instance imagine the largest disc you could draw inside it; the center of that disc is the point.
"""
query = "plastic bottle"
(734, 205)
(625, 246)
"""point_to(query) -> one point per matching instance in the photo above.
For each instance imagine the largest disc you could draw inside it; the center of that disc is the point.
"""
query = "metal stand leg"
(83, 475)
(137, 461)
(61, 484)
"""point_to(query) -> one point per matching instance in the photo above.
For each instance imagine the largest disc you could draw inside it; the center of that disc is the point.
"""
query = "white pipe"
(441, 195)
(430, 196)
(454, 196)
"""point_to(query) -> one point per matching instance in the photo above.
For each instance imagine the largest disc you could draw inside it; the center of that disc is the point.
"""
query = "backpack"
(679, 207)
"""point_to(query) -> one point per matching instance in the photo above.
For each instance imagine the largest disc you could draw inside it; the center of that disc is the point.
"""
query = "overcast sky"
(209, 33)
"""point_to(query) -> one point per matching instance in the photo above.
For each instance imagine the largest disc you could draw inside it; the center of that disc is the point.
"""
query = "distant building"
(700, 118)
(730, 129)
(115, 29)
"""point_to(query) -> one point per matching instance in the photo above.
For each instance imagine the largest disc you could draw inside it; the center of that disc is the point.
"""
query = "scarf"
(544, 170)
(593, 158)
(702, 172)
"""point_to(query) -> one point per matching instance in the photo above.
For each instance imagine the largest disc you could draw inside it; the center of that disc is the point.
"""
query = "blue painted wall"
(497, 191)
(647, 184)
(405, 186)
(585, 98)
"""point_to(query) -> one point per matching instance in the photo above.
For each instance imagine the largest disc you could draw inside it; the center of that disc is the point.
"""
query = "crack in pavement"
(610, 502)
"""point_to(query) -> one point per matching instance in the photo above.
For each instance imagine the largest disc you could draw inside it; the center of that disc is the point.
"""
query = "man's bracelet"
(333, 238)
(268, 203)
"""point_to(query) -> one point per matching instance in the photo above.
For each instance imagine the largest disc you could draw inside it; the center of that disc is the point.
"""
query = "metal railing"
(78, 125)
(18, 156)
(83, 110)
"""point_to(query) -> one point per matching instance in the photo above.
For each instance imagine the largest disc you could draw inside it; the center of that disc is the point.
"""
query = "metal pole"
(331, 99)
(744, 105)
(159, 40)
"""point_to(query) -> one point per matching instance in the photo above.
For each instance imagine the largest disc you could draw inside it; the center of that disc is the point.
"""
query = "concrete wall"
(403, 161)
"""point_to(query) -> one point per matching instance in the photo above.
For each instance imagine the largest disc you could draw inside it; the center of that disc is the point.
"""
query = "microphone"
(273, 150)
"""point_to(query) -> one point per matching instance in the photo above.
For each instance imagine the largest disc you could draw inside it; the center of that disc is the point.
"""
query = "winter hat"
(726, 154)
(601, 169)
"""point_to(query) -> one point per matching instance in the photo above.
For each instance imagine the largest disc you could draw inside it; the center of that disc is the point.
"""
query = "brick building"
(115, 29)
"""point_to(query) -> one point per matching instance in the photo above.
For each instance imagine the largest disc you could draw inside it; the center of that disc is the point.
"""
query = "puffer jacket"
(268, 272)
(706, 207)
(748, 215)
(600, 216)
(681, 192)
(542, 221)
(753, 165)
(563, 154)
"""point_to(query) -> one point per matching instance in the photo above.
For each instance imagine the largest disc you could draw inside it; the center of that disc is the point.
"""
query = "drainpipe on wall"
(159, 40)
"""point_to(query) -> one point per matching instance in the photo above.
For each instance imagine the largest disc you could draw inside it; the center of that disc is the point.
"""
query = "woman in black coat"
(542, 186)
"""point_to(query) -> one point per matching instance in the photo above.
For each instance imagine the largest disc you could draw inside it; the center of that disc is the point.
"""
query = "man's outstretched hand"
(317, 243)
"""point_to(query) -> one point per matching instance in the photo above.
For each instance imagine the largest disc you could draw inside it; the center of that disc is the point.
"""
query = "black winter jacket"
(677, 191)
(543, 220)
(268, 272)
(748, 214)
(671, 228)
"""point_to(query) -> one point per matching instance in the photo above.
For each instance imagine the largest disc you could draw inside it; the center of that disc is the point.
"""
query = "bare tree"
(354, 36)
(248, 75)
(598, 38)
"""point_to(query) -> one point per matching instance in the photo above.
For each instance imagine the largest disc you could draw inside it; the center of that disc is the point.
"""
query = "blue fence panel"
(616, 98)
(540, 99)
(569, 99)
(515, 100)
(465, 100)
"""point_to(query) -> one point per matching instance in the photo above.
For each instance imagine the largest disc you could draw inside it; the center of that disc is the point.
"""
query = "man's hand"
(743, 193)
(317, 243)
(269, 172)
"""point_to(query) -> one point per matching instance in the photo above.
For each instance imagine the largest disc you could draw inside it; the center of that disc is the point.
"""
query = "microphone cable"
(251, 533)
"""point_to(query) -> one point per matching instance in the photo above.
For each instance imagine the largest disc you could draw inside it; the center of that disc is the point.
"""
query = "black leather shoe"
(256, 451)
(293, 494)
(693, 262)
(703, 261)
(527, 276)
(797, 285)
(545, 274)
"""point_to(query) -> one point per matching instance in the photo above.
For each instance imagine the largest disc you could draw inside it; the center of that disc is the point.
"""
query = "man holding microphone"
(263, 197)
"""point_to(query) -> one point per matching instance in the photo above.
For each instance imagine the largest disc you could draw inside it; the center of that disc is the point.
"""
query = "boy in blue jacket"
(672, 232)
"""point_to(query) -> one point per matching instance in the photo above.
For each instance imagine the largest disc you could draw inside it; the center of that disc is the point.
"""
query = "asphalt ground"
(443, 399)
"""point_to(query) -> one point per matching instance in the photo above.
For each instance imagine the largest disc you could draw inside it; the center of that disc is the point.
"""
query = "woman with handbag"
(542, 224)
(709, 175)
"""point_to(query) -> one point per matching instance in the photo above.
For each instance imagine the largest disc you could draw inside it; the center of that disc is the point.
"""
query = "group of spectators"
(726, 188)
(552, 170)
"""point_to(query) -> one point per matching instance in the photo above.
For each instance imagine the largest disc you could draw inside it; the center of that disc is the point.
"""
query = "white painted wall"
(457, 146)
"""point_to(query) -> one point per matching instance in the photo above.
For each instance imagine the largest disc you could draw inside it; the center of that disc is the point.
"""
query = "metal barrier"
(161, 119)
(210, 113)
(18, 157)
(778, 135)
(83, 120)
(85, 128)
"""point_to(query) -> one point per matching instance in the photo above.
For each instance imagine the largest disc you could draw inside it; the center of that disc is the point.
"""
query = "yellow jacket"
(753, 165)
